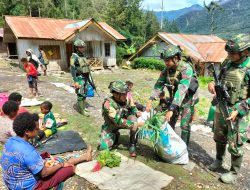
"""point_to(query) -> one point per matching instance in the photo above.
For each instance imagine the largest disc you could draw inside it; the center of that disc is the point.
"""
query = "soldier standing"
(180, 78)
(119, 112)
(235, 77)
(80, 72)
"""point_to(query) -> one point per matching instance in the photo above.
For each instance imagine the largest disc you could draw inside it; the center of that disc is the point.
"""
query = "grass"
(203, 107)
(203, 81)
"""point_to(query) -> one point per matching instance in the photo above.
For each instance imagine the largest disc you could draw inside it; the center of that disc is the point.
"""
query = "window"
(52, 52)
(107, 49)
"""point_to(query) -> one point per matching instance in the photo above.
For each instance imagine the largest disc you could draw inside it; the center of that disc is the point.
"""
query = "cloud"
(170, 5)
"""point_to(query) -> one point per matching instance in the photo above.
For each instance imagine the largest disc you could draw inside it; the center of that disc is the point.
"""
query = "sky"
(170, 4)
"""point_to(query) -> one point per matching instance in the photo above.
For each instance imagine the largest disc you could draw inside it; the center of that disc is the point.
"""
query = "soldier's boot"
(133, 141)
(82, 105)
(185, 136)
(117, 136)
(220, 153)
(231, 176)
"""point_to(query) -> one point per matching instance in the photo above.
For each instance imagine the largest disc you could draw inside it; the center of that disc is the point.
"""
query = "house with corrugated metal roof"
(2, 45)
(56, 37)
(203, 49)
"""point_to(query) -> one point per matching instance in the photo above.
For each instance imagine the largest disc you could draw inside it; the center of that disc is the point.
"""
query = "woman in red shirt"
(31, 76)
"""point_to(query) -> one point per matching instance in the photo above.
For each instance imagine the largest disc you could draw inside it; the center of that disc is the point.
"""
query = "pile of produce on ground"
(107, 158)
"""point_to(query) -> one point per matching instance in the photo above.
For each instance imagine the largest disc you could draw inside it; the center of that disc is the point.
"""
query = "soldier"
(80, 72)
(235, 76)
(180, 78)
(119, 113)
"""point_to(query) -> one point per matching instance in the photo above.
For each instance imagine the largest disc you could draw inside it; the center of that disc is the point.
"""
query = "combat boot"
(82, 107)
(220, 153)
(132, 150)
(230, 177)
(133, 141)
(185, 136)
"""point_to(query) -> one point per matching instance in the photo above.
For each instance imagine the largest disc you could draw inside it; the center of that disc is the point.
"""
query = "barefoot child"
(31, 76)
(49, 121)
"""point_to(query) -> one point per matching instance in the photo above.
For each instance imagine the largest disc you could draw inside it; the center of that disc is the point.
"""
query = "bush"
(203, 81)
(120, 53)
(149, 63)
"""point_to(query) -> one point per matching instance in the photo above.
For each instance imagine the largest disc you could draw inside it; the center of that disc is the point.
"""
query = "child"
(130, 85)
(10, 109)
(16, 97)
(31, 76)
(49, 122)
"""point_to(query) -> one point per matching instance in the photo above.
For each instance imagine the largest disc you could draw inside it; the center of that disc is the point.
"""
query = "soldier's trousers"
(186, 111)
(234, 139)
(81, 94)
(110, 137)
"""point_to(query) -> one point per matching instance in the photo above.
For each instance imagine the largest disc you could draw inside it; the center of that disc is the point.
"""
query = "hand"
(138, 114)
(76, 85)
(168, 116)
(140, 124)
(233, 116)
(211, 88)
(149, 106)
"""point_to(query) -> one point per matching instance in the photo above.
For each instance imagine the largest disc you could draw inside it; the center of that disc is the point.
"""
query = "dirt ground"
(202, 146)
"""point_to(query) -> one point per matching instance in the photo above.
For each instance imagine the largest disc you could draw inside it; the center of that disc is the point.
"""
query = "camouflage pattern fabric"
(239, 136)
(181, 97)
(116, 117)
(238, 43)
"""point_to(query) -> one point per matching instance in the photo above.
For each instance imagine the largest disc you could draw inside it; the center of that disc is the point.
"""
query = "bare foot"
(85, 157)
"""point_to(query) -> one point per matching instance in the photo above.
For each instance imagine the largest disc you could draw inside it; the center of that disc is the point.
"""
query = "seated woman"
(23, 167)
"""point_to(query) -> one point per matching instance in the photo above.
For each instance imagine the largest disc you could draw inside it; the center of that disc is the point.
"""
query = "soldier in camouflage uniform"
(80, 72)
(119, 113)
(235, 76)
(180, 78)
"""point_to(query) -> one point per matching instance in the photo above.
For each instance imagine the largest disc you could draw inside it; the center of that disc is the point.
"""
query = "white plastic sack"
(172, 148)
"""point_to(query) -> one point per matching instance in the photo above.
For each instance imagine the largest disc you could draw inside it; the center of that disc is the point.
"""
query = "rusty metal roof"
(204, 48)
(48, 28)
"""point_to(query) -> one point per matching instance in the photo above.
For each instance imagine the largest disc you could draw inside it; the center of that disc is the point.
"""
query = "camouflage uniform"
(117, 116)
(81, 74)
(236, 78)
(178, 84)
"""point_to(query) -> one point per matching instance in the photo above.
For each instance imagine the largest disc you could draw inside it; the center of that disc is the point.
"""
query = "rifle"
(222, 97)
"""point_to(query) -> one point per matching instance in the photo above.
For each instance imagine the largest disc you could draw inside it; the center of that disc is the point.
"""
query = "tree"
(211, 8)
(170, 26)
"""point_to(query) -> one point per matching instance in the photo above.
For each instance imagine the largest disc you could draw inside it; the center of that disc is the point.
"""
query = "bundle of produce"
(152, 128)
(107, 158)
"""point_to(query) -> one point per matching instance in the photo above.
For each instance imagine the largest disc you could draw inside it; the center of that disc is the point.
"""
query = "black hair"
(47, 105)
(35, 116)
(129, 82)
(15, 96)
(23, 122)
(9, 107)
(24, 60)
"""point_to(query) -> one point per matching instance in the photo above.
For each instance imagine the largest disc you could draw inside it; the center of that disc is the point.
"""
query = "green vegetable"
(109, 159)
(152, 128)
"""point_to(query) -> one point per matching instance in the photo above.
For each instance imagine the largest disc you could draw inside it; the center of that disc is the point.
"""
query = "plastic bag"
(90, 92)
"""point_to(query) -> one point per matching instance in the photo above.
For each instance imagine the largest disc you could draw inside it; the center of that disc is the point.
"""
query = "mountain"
(171, 15)
(233, 20)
